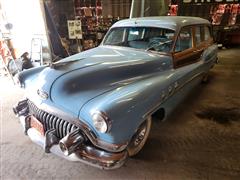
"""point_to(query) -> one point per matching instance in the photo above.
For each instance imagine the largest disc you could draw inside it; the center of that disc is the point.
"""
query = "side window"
(184, 40)
(207, 33)
(199, 34)
(202, 33)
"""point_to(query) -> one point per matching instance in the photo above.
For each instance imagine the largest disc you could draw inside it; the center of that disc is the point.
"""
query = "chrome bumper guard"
(87, 154)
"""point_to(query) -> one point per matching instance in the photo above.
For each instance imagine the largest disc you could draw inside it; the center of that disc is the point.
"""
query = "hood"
(72, 82)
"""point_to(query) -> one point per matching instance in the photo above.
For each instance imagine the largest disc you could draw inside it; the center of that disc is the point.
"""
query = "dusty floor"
(200, 141)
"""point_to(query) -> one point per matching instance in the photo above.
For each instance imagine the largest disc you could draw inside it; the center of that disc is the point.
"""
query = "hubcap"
(140, 137)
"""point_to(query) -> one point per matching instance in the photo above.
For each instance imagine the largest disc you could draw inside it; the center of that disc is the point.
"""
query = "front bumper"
(86, 152)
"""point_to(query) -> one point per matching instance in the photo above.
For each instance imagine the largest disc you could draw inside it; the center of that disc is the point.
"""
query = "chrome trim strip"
(178, 87)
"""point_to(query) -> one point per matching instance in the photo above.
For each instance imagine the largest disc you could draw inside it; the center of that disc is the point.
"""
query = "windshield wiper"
(157, 45)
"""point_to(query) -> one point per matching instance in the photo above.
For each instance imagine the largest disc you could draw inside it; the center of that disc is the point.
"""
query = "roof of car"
(170, 22)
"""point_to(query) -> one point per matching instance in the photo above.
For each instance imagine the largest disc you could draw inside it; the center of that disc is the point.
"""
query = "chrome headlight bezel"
(101, 122)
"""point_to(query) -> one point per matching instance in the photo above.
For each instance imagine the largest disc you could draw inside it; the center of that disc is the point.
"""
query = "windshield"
(147, 38)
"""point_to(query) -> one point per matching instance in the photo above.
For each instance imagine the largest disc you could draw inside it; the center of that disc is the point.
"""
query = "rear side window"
(184, 40)
(207, 33)
(198, 35)
(202, 33)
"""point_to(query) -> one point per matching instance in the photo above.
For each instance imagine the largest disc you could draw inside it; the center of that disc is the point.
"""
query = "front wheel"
(140, 137)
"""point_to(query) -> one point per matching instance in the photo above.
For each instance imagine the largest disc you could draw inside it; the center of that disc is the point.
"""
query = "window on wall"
(184, 40)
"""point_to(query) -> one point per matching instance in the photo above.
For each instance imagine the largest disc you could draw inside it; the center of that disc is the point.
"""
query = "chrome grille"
(50, 121)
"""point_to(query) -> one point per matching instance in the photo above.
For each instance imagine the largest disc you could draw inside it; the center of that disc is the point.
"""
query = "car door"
(186, 60)
(186, 55)
(185, 51)
(193, 54)
(204, 43)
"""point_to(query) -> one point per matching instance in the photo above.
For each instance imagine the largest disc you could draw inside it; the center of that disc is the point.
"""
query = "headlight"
(101, 122)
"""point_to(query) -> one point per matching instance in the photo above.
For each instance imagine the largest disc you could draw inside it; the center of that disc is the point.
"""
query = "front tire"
(140, 137)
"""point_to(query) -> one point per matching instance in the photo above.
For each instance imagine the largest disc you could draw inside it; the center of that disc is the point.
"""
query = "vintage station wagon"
(97, 106)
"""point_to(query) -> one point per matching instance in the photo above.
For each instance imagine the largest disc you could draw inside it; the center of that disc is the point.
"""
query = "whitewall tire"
(140, 137)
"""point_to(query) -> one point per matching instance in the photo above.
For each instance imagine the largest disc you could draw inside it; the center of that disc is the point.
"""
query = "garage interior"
(199, 140)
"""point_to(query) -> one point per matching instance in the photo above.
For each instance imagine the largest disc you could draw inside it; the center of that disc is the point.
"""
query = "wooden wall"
(116, 8)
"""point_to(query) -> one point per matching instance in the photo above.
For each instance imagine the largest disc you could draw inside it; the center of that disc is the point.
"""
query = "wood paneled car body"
(96, 106)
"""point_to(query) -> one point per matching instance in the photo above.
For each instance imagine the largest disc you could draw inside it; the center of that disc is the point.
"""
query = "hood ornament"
(42, 94)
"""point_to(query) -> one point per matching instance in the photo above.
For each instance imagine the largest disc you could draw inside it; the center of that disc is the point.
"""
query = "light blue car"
(97, 106)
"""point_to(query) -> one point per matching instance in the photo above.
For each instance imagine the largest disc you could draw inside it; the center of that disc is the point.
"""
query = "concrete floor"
(200, 141)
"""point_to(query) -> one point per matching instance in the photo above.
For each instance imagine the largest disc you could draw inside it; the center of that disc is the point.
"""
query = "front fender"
(27, 77)
(126, 106)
